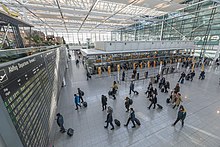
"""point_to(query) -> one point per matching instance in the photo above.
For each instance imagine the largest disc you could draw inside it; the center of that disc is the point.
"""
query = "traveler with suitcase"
(77, 101)
(81, 94)
(128, 102)
(60, 122)
(131, 88)
(153, 101)
(181, 116)
(109, 119)
(104, 102)
(182, 76)
(177, 88)
(131, 118)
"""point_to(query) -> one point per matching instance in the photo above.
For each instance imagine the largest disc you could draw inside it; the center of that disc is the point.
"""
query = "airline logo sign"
(211, 40)
(3, 76)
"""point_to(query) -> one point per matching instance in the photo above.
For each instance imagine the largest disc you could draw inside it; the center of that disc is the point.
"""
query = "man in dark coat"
(109, 120)
(153, 101)
(182, 76)
(131, 118)
(127, 103)
(60, 122)
(131, 87)
(104, 102)
(80, 93)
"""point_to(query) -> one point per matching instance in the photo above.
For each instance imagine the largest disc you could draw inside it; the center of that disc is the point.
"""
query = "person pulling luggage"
(131, 88)
(109, 119)
(131, 118)
(153, 102)
(77, 101)
(60, 122)
(182, 76)
(81, 94)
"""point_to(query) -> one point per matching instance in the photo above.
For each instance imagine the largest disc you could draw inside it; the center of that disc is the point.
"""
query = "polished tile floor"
(201, 100)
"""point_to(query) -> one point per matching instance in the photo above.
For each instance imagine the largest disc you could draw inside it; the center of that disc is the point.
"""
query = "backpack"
(130, 101)
(82, 93)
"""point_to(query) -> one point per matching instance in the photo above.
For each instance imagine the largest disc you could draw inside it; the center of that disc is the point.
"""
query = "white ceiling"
(89, 15)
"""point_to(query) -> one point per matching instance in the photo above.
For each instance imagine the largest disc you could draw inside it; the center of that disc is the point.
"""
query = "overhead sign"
(211, 40)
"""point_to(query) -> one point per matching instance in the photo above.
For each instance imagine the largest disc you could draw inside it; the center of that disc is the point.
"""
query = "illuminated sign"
(210, 40)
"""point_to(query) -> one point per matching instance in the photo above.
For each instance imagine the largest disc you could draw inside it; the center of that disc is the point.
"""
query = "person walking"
(127, 103)
(109, 119)
(104, 102)
(114, 89)
(153, 102)
(81, 94)
(131, 87)
(88, 76)
(123, 75)
(60, 122)
(178, 99)
(181, 116)
(182, 76)
(202, 75)
(192, 75)
(131, 118)
(177, 88)
(77, 101)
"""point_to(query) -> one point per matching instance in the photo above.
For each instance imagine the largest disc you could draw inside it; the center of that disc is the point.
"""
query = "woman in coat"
(178, 100)
(181, 116)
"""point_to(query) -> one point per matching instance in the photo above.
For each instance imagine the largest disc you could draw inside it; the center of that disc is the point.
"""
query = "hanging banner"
(155, 63)
(170, 61)
(109, 70)
(99, 71)
(193, 66)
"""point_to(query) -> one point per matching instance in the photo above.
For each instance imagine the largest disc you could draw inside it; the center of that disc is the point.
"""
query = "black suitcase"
(70, 132)
(182, 81)
(168, 100)
(162, 90)
(137, 121)
(135, 92)
(159, 106)
(85, 104)
(117, 122)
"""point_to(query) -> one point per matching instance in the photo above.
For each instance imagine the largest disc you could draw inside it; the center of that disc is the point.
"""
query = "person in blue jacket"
(181, 115)
(77, 101)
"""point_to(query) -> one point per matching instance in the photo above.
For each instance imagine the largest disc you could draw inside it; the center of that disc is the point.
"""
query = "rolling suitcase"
(182, 81)
(117, 122)
(168, 100)
(135, 92)
(159, 106)
(137, 121)
(70, 132)
(85, 104)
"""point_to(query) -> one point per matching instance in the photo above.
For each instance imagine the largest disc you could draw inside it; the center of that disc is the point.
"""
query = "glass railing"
(12, 54)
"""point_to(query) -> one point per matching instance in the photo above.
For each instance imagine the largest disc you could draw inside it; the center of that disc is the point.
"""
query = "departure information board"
(26, 89)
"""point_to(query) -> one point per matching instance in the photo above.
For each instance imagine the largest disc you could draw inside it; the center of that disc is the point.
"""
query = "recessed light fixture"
(218, 112)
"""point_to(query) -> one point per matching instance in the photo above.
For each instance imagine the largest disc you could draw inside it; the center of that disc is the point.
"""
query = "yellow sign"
(99, 71)
(118, 66)
(155, 64)
(109, 70)
(14, 14)
(141, 65)
(148, 64)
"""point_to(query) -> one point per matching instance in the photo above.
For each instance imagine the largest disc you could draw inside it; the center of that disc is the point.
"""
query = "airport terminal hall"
(109, 73)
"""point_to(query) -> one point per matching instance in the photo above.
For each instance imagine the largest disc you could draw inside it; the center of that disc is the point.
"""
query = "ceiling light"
(218, 112)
